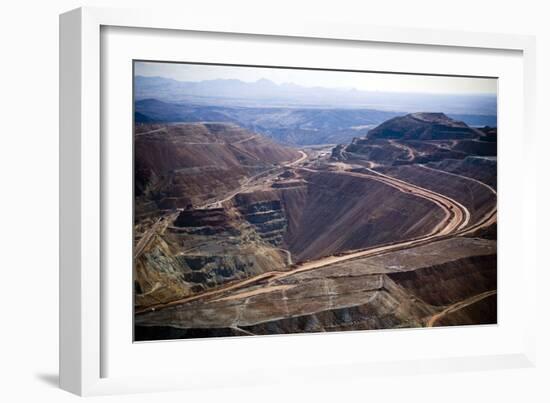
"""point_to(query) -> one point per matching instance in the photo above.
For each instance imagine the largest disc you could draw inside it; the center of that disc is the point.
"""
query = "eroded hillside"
(189, 164)
(237, 235)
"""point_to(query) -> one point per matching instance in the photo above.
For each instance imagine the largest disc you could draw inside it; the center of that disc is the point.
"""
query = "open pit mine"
(236, 235)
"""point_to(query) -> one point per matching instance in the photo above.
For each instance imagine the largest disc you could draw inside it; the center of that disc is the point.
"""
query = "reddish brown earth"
(191, 163)
(321, 221)
(477, 197)
(236, 235)
(369, 293)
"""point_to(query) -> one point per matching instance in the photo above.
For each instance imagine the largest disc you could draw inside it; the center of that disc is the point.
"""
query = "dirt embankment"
(400, 289)
(479, 168)
(476, 197)
(335, 213)
(477, 310)
(451, 281)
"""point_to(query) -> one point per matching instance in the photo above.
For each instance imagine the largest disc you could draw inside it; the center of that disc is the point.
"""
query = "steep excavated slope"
(450, 282)
(159, 276)
(334, 213)
(378, 292)
(184, 166)
(265, 212)
(475, 196)
(345, 213)
(480, 168)
(479, 312)
(198, 250)
(190, 163)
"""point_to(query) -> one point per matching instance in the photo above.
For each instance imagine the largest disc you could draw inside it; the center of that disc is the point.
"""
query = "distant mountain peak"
(422, 126)
(437, 118)
(430, 116)
(232, 91)
(265, 82)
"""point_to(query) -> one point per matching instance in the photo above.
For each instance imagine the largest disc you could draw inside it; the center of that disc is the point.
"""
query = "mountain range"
(266, 93)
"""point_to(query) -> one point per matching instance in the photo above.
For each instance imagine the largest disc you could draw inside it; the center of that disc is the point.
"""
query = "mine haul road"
(248, 182)
(488, 219)
(456, 222)
(161, 224)
(459, 305)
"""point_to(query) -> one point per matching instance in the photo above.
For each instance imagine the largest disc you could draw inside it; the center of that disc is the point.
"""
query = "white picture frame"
(82, 172)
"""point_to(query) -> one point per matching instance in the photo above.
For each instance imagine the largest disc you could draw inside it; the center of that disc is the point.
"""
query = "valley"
(292, 125)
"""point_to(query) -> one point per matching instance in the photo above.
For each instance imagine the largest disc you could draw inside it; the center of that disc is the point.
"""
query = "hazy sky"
(327, 79)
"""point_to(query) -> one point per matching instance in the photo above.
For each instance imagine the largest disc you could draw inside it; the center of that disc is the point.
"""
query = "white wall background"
(29, 201)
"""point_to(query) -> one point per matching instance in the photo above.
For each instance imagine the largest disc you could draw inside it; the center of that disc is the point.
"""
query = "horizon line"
(343, 89)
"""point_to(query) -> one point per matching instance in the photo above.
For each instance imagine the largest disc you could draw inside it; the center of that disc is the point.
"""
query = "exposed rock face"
(237, 236)
(267, 217)
(437, 153)
(184, 166)
(405, 290)
(317, 220)
(219, 245)
(159, 276)
(198, 250)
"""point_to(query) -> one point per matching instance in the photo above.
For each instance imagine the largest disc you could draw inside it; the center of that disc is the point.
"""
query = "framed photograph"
(246, 199)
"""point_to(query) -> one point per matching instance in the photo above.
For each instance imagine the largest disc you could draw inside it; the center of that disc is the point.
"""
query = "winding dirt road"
(248, 182)
(407, 149)
(488, 219)
(455, 222)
